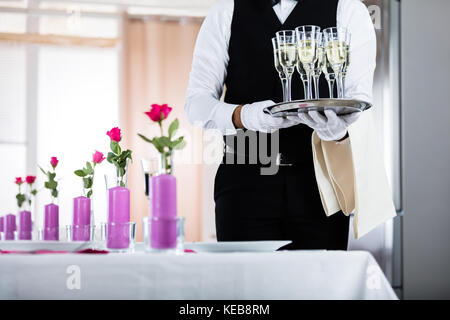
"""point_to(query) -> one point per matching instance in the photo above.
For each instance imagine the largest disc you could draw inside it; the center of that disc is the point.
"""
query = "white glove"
(253, 118)
(329, 128)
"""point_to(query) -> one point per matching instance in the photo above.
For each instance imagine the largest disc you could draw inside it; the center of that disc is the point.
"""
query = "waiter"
(234, 49)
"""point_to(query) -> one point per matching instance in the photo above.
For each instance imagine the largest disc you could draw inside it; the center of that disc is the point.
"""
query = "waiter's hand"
(252, 117)
(329, 128)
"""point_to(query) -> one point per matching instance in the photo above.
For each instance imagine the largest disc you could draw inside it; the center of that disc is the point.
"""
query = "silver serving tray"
(341, 106)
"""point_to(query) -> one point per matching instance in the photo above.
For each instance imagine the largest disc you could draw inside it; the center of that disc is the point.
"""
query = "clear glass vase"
(166, 162)
(119, 179)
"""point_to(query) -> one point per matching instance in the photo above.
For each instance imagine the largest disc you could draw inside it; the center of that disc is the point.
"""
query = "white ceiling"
(172, 7)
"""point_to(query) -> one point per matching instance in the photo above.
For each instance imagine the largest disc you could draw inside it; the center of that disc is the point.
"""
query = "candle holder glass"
(119, 237)
(8, 236)
(54, 234)
(84, 233)
(171, 240)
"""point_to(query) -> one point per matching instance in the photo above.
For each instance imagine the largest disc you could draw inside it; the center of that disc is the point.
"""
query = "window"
(12, 121)
(77, 101)
(77, 104)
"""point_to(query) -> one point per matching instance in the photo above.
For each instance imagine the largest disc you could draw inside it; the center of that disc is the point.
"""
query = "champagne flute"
(317, 71)
(327, 70)
(336, 53)
(287, 54)
(279, 67)
(149, 169)
(309, 38)
(329, 74)
(303, 77)
(347, 58)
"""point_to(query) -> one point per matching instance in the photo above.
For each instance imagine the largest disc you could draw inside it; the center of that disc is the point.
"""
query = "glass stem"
(338, 74)
(343, 84)
(316, 87)
(283, 86)
(288, 87)
(331, 88)
(305, 88)
(308, 93)
(340, 86)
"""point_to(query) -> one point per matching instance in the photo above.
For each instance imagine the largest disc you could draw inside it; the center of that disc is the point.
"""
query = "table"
(274, 275)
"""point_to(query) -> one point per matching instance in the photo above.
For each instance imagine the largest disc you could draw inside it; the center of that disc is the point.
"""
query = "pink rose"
(54, 162)
(158, 112)
(98, 157)
(19, 181)
(30, 179)
(114, 134)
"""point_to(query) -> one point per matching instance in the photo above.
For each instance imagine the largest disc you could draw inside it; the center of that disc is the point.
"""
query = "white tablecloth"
(277, 275)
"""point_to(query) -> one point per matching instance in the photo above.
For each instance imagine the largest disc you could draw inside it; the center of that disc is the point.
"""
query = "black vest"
(251, 75)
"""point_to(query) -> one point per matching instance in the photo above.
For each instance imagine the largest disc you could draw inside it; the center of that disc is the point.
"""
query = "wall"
(156, 63)
(426, 148)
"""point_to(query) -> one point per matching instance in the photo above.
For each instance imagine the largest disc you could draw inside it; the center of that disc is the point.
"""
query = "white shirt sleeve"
(353, 15)
(209, 70)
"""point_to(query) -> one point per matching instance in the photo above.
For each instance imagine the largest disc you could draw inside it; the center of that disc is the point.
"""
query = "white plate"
(31, 245)
(236, 246)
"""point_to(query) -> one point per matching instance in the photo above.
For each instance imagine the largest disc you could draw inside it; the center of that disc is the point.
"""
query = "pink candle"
(164, 196)
(2, 227)
(81, 219)
(10, 226)
(25, 225)
(51, 222)
(163, 222)
(118, 228)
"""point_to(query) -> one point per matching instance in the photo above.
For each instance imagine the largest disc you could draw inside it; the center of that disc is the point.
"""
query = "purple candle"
(2, 227)
(25, 225)
(118, 228)
(81, 219)
(51, 222)
(163, 226)
(163, 233)
(10, 226)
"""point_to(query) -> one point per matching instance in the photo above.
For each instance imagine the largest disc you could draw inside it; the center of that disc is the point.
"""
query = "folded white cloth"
(351, 176)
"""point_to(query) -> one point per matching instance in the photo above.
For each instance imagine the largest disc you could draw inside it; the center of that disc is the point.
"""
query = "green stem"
(160, 127)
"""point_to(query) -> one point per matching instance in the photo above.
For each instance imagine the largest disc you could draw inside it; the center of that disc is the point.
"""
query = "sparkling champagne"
(307, 51)
(321, 58)
(326, 68)
(336, 52)
(288, 55)
(301, 70)
(276, 57)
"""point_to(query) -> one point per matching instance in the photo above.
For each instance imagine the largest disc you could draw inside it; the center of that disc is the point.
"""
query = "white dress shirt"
(209, 66)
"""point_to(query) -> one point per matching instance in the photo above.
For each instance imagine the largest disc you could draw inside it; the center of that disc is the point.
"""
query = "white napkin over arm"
(351, 176)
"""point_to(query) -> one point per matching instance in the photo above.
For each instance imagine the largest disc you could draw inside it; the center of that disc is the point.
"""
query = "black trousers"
(284, 206)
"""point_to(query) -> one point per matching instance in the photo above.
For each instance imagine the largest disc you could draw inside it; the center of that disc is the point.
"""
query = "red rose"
(30, 179)
(19, 181)
(114, 134)
(54, 162)
(158, 112)
(98, 157)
